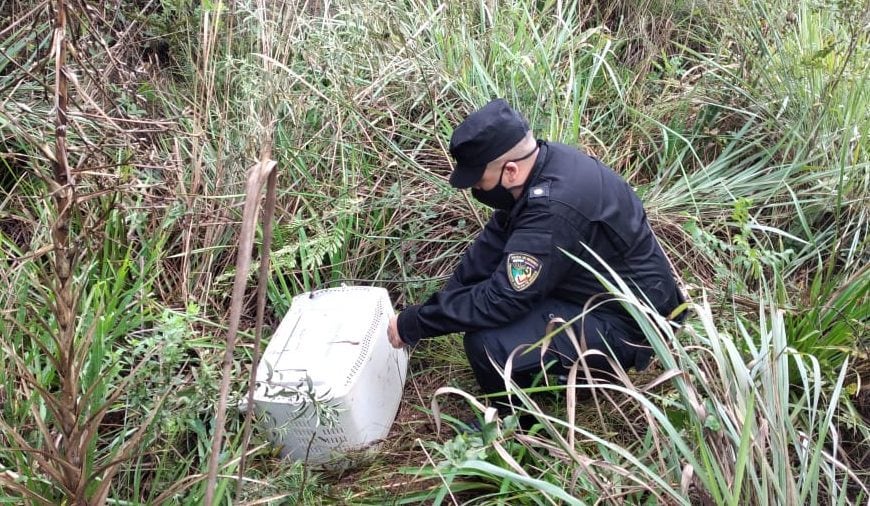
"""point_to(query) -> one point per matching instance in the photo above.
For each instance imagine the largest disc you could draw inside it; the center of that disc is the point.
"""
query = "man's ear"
(511, 170)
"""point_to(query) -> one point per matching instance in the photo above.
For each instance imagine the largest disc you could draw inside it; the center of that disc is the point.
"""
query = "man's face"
(490, 178)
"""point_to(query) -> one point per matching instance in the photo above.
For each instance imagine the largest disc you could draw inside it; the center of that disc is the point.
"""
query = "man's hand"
(393, 333)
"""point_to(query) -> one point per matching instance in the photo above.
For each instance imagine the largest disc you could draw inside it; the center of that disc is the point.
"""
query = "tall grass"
(95, 361)
(734, 416)
(742, 127)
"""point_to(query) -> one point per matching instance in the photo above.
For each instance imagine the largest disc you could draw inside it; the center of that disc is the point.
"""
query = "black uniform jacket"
(517, 261)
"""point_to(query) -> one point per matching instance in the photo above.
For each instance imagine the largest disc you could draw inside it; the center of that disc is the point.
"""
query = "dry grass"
(169, 104)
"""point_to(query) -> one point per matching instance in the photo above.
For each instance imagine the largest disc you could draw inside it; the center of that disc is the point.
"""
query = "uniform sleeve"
(529, 268)
(483, 255)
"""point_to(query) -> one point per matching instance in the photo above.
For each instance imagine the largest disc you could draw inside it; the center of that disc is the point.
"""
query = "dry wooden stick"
(257, 176)
(262, 281)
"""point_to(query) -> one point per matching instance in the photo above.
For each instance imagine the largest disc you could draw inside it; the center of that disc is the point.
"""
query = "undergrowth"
(125, 132)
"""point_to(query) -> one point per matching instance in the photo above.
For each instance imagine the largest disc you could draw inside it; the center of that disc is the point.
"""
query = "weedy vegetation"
(126, 131)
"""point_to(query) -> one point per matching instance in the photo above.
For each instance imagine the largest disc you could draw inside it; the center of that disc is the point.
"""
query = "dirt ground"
(403, 449)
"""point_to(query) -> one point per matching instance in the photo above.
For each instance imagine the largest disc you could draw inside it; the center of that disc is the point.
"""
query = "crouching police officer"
(549, 199)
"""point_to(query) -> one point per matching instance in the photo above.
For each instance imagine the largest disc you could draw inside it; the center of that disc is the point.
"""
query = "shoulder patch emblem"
(522, 270)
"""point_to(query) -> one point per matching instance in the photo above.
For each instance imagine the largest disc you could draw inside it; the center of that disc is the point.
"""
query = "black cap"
(484, 136)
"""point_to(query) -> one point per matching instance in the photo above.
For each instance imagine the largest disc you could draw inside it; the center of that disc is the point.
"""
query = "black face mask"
(499, 197)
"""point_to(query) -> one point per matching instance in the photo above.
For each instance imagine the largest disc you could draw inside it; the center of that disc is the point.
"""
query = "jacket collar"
(534, 175)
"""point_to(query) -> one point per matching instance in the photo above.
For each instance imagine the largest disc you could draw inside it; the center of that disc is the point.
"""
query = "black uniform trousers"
(604, 331)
